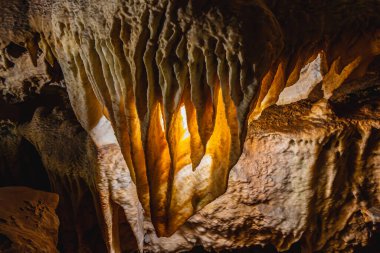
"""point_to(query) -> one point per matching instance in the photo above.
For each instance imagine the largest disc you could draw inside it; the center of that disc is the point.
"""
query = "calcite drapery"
(289, 161)
(151, 62)
(140, 62)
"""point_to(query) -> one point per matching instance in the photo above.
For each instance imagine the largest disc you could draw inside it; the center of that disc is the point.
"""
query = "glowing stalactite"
(186, 133)
(177, 186)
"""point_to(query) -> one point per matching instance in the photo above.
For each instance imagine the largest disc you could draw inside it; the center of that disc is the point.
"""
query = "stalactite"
(160, 69)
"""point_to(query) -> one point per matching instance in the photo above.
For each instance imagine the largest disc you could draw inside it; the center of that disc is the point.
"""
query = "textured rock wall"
(70, 158)
(302, 178)
(183, 83)
(141, 63)
(306, 180)
(28, 222)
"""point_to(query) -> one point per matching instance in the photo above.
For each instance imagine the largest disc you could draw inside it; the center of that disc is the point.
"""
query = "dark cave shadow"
(26, 169)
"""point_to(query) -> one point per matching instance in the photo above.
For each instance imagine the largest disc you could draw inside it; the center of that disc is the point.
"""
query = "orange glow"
(180, 162)
(184, 130)
(186, 133)
(161, 119)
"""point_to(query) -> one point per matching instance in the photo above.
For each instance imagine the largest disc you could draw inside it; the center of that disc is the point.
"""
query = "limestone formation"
(178, 78)
(172, 95)
(308, 184)
(307, 180)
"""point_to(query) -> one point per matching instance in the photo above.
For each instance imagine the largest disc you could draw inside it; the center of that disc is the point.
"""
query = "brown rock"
(28, 222)
(172, 96)
(141, 63)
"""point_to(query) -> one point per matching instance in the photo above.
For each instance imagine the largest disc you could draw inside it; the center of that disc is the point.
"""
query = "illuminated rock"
(139, 63)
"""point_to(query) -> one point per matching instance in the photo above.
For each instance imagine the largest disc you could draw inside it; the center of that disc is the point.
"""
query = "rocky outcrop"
(28, 222)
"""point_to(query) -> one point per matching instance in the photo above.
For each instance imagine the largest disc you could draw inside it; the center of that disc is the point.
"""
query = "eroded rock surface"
(70, 158)
(179, 79)
(170, 96)
(28, 222)
(301, 180)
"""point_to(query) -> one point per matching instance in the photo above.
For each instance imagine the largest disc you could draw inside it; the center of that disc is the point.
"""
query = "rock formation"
(28, 222)
(222, 124)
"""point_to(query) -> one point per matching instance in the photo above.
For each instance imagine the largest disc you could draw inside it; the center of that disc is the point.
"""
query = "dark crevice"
(49, 97)
(55, 72)
(5, 243)
(373, 245)
(24, 168)
(79, 230)
(127, 238)
(15, 50)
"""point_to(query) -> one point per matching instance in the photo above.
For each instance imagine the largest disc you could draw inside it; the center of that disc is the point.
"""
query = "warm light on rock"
(186, 133)
(135, 112)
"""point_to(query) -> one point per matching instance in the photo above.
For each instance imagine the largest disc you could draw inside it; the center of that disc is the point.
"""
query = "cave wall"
(305, 182)
(158, 118)
(139, 62)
